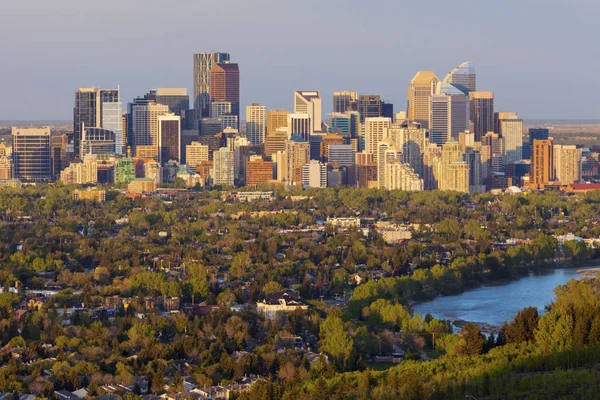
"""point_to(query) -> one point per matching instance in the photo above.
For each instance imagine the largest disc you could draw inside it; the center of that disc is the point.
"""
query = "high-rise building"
(567, 164)
(534, 134)
(169, 138)
(449, 115)
(463, 77)
(314, 174)
(297, 153)
(476, 181)
(256, 124)
(341, 154)
(387, 110)
(326, 142)
(412, 140)
(432, 166)
(225, 86)
(450, 170)
(421, 87)
(58, 153)
(386, 153)
(276, 119)
(97, 141)
(275, 142)
(375, 129)
(153, 170)
(482, 113)
(210, 126)
(345, 124)
(176, 98)
(6, 168)
(496, 156)
(542, 163)
(124, 170)
(144, 128)
(510, 128)
(457, 177)
(96, 108)
(220, 108)
(400, 176)
(196, 153)
(300, 124)
(309, 102)
(224, 172)
(81, 173)
(203, 63)
(31, 154)
(342, 101)
(369, 106)
(258, 171)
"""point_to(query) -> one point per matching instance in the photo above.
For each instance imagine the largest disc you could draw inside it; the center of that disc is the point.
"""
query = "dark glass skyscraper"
(203, 63)
(534, 134)
(225, 86)
(369, 106)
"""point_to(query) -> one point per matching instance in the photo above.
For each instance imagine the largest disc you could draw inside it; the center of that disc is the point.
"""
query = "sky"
(539, 57)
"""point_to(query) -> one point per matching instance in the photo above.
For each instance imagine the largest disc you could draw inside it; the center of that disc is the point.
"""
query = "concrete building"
(432, 166)
(400, 176)
(225, 86)
(31, 154)
(457, 177)
(534, 134)
(567, 164)
(276, 119)
(341, 154)
(124, 170)
(220, 108)
(196, 153)
(449, 115)
(144, 130)
(542, 163)
(6, 168)
(169, 138)
(203, 63)
(342, 101)
(97, 141)
(300, 124)
(142, 185)
(386, 153)
(451, 178)
(81, 173)
(258, 171)
(421, 87)
(210, 126)
(309, 102)
(510, 129)
(224, 167)
(297, 153)
(375, 129)
(327, 141)
(314, 174)
(496, 156)
(89, 194)
(412, 141)
(256, 124)
(482, 113)
(176, 98)
(275, 142)
(369, 106)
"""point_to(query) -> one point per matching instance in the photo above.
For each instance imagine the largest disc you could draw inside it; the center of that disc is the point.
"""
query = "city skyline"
(506, 62)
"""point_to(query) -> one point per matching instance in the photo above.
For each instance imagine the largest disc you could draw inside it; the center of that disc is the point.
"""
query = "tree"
(471, 340)
(523, 327)
(336, 342)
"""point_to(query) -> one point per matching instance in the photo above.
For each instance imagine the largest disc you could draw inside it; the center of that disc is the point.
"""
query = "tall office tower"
(432, 163)
(421, 87)
(196, 153)
(186, 138)
(451, 153)
(144, 128)
(482, 113)
(229, 122)
(345, 124)
(375, 129)
(297, 153)
(58, 153)
(387, 110)
(169, 138)
(96, 108)
(448, 117)
(466, 140)
(369, 106)
(176, 98)
(309, 102)
(225, 86)
(342, 101)
(275, 142)
(6, 168)
(386, 153)
(315, 146)
(567, 164)
(97, 141)
(31, 154)
(203, 63)
(412, 140)
(276, 119)
(256, 124)
(210, 126)
(400, 176)
(542, 163)
(299, 124)
(473, 159)
(224, 172)
(496, 160)
(341, 154)
(314, 174)
(258, 171)
(326, 142)
(510, 129)
(220, 108)
(463, 77)
(534, 134)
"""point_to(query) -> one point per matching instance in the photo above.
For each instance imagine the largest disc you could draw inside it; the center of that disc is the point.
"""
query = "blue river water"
(494, 304)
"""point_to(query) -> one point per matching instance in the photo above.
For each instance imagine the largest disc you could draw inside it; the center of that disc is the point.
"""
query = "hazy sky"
(540, 57)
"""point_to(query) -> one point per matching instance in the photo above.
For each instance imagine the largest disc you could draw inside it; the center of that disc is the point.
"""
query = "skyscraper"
(510, 128)
(463, 77)
(224, 172)
(225, 86)
(97, 141)
(542, 163)
(314, 174)
(496, 155)
(276, 119)
(31, 154)
(256, 124)
(297, 153)
(342, 101)
(144, 128)
(369, 106)
(449, 115)
(482, 113)
(412, 140)
(309, 102)
(169, 138)
(534, 134)
(567, 164)
(375, 129)
(96, 108)
(421, 87)
(203, 63)
(299, 124)
(176, 98)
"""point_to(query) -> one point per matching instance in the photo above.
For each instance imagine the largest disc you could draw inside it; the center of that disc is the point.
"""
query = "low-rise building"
(278, 303)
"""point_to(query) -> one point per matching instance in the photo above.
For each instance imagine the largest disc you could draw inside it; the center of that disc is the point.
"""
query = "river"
(494, 304)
